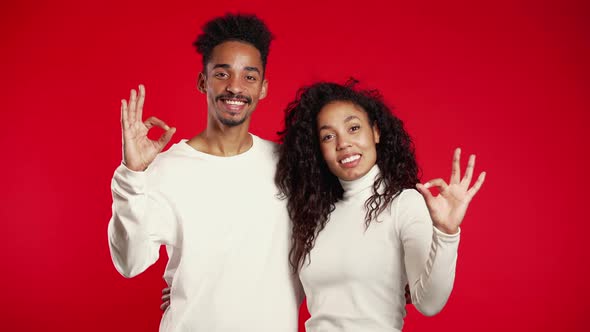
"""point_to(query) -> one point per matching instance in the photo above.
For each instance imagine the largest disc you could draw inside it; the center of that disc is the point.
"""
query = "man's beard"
(232, 122)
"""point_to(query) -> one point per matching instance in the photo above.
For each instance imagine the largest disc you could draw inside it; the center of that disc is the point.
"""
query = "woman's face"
(347, 139)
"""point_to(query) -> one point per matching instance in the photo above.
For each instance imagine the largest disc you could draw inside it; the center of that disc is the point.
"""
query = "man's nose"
(234, 85)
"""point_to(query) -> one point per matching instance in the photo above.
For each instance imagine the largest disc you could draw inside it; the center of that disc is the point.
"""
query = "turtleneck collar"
(351, 188)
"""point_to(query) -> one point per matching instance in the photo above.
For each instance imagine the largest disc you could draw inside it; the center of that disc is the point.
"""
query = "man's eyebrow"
(227, 66)
(251, 68)
(221, 65)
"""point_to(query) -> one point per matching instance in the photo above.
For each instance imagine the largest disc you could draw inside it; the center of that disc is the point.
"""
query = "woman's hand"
(448, 208)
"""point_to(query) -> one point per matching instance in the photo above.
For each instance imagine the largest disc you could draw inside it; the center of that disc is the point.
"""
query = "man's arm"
(142, 219)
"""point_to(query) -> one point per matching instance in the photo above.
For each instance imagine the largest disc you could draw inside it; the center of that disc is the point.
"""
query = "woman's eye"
(327, 137)
(355, 128)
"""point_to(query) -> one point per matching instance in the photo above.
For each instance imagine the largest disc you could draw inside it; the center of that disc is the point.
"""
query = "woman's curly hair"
(303, 177)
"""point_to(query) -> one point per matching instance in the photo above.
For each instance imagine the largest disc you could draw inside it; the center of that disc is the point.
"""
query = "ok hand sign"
(448, 208)
(138, 150)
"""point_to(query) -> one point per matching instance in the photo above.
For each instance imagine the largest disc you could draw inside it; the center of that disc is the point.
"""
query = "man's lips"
(237, 100)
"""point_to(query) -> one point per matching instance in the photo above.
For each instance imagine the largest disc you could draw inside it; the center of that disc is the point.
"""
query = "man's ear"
(264, 90)
(201, 82)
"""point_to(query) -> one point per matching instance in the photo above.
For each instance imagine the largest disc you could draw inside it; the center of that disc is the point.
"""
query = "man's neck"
(223, 141)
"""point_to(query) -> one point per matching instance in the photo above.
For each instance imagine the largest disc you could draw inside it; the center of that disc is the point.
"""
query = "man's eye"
(220, 75)
(251, 78)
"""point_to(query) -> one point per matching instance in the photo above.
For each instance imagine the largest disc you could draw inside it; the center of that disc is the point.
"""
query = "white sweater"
(355, 280)
(226, 232)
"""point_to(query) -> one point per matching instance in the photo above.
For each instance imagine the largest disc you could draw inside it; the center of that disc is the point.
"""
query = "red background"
(507, 80)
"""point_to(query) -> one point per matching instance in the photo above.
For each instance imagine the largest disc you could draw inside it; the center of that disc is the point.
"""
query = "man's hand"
(448, 208)
(165, 299)
(138, 150)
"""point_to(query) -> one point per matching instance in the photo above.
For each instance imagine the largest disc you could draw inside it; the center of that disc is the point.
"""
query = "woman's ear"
(376, 133)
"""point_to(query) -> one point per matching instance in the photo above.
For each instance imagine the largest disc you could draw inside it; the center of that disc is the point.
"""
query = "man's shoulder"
(265, 146)
(264, 142)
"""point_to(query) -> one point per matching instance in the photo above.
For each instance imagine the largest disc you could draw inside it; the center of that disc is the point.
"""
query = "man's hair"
(234, 27)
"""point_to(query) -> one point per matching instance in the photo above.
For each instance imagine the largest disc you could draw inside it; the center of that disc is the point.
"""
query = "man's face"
(233, 81)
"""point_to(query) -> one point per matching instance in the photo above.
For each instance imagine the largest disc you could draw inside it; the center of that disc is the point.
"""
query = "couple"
(347, 229)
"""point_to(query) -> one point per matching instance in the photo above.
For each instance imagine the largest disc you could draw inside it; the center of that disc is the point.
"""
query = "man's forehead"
(234, 54)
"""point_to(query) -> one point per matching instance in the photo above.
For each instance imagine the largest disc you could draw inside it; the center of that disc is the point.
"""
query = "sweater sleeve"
(142, 220)
(430, 255)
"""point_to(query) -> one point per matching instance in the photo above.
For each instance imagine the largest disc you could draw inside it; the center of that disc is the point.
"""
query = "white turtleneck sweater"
(356, 278)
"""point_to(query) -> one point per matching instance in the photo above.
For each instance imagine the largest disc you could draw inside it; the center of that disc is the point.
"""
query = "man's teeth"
(234, 102)
(350, 159)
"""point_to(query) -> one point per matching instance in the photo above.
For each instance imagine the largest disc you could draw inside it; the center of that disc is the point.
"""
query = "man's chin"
(232, 122)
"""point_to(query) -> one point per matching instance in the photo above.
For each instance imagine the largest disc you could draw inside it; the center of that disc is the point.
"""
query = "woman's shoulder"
(408, 205)
(409, 196)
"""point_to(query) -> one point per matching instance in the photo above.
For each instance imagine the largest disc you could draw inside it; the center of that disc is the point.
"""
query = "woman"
(360, 230)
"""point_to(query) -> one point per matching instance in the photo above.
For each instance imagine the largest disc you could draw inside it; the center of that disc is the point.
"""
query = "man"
(211, 199)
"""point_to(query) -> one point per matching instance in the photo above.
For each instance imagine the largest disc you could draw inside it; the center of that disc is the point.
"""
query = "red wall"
(507, 80)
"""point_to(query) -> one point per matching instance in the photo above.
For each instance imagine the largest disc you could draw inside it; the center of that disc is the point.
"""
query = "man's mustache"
(234, 96)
